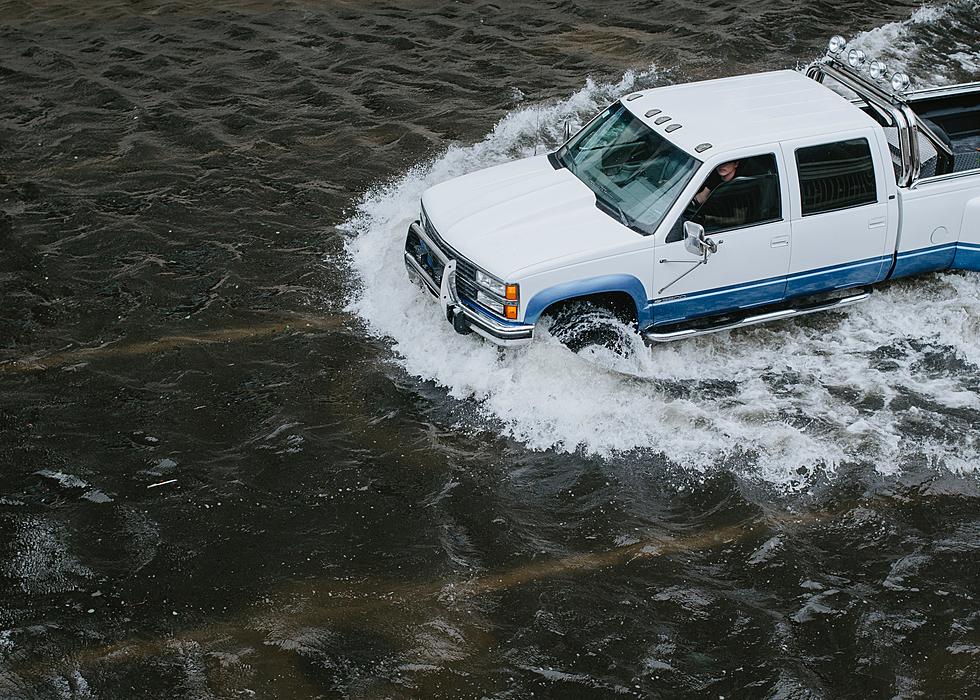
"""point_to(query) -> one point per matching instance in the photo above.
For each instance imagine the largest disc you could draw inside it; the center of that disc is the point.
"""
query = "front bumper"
(465, 314)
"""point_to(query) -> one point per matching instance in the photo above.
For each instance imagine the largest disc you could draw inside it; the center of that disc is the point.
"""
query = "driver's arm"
(714, 179)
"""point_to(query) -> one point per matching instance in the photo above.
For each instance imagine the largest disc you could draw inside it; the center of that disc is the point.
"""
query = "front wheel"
(581, 324)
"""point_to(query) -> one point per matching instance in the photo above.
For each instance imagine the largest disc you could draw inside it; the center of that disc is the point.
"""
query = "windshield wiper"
(615, 208)
(622, 216)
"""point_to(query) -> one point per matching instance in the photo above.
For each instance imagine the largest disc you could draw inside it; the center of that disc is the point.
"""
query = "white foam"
(919, 45)
(893, 39)
(780, 403)
(969, 61)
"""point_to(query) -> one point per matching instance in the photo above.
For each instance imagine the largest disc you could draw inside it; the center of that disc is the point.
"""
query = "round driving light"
(836, 44)
(877, 70)
(900, 82)
(856, 58)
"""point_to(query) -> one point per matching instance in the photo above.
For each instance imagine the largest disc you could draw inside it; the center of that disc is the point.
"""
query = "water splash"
(890, 384)
(936, 45)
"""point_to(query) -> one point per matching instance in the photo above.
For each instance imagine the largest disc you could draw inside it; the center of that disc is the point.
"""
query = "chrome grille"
(465, 278)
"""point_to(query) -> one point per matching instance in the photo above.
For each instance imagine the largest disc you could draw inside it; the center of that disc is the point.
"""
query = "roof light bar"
(857, 61)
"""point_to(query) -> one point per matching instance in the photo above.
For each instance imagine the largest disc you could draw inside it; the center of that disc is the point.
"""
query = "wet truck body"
(832, 195)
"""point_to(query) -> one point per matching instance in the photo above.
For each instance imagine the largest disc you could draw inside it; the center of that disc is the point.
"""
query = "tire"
(582, 324)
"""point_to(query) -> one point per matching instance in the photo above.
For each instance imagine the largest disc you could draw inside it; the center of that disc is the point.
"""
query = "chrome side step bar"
(758, 318)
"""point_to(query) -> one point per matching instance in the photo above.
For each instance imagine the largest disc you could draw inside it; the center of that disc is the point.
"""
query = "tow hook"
(460, 324)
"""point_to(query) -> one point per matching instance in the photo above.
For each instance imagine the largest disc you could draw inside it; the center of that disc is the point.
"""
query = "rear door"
(840, 218)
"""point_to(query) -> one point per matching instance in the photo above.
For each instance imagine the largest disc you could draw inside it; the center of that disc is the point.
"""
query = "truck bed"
(966, 153)
(957, 115)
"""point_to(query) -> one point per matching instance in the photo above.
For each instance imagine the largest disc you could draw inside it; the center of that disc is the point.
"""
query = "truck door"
(840, 213)
(747, 217)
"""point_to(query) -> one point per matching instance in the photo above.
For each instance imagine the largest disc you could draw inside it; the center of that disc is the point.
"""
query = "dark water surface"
(239, 460)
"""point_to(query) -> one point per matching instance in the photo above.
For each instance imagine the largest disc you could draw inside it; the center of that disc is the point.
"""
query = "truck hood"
(520, 214)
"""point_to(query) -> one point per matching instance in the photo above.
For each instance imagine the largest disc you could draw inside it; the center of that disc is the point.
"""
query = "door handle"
(779, 242)
(876, 222)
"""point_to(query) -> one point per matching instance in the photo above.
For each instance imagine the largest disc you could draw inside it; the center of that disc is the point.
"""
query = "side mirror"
(693, 238)
(695, 242)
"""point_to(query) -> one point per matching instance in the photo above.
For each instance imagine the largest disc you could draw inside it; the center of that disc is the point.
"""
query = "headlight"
(499, 297)
(877, 70)
(491, 283)
(856, 58)
(490, 302)
(836, 44)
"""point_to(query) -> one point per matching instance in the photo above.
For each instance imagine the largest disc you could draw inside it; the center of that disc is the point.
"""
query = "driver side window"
(735, 195)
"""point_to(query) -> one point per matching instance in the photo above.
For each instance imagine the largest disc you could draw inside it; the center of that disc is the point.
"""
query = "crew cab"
(713, 205)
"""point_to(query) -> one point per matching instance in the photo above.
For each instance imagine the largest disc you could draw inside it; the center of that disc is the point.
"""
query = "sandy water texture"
(242, 456)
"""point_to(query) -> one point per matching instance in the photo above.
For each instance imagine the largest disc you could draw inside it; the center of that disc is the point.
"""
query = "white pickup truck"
(714, 205)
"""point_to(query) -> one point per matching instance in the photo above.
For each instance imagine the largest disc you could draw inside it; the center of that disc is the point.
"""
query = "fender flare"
(604, 284)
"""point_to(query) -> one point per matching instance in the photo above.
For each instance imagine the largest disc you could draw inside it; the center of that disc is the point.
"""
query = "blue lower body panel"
(770, 291)
(860, 272)
(715, 301)
(967, 257)
(958, 256)
(932, 259)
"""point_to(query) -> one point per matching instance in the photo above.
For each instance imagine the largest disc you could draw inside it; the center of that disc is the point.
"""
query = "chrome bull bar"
(463, 317)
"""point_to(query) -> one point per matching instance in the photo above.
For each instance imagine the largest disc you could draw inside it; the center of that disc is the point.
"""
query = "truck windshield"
(635, 172)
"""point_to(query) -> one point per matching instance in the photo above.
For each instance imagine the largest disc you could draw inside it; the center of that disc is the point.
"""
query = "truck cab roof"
(731, 113)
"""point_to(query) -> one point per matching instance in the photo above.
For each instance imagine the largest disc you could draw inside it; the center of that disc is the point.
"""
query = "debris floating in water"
(162, 483)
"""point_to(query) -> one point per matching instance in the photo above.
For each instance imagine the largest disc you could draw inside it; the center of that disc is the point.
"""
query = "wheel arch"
(625, 287)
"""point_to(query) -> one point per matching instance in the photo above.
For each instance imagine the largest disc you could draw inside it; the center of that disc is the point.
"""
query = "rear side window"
(836, 176)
